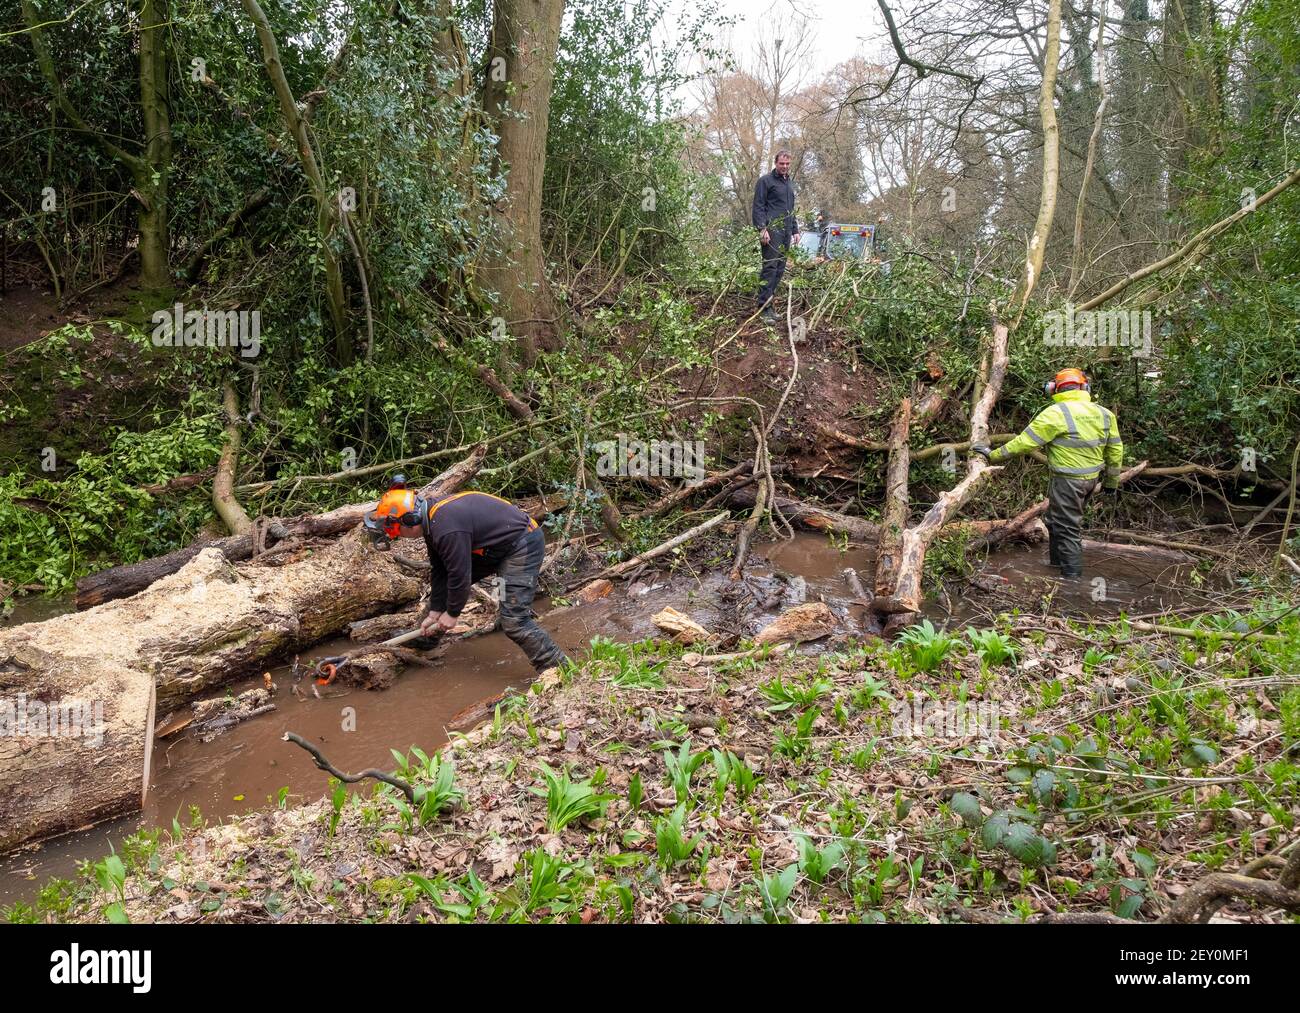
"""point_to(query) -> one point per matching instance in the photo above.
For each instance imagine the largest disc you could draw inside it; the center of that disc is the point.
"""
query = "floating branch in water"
(329, 768)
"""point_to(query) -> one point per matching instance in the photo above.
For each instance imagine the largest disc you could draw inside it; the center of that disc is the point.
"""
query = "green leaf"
(967, 806)
(1146, 862)
(1130, 905)
(994, 830)
(1029, 846)
(1204, 753)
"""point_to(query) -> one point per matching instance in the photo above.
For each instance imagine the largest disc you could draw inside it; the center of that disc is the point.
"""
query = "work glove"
(436, 623)
(983, 449)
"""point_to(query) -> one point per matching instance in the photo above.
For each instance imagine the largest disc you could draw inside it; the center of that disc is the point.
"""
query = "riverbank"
(1042, 767)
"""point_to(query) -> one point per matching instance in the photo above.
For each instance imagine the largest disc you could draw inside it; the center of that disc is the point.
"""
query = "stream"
(246, 768)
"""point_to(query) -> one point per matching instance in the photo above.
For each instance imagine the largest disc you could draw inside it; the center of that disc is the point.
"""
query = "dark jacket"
(467, 534)
(774, 204)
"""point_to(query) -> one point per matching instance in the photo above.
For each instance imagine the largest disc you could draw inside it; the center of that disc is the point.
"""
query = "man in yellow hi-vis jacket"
(1082, 441)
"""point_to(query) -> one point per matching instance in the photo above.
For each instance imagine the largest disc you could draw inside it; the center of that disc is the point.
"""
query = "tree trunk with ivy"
(516, 99)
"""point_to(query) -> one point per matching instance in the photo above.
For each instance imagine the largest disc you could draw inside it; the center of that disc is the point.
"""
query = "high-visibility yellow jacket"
(1081, 438)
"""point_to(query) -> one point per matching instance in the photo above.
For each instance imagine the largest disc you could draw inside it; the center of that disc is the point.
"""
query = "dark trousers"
(1066, 500)
(518, 573)
(773, 265)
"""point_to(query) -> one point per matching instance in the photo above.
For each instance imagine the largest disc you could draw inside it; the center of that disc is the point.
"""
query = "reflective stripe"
(1091, 472)
(1029, 431)
(1105, 422)
(1065, 441)
(1069, 420)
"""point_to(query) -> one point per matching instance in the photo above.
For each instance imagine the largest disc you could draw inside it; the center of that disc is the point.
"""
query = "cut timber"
(810, 621)
(121, 581)
(52, 783)
(594, 591)
(193, 630)
(684, 629)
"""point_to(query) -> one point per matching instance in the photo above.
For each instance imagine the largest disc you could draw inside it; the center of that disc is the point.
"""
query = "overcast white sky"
(839, 26)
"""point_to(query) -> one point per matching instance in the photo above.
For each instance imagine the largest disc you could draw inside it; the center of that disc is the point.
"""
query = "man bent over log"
(470, 536)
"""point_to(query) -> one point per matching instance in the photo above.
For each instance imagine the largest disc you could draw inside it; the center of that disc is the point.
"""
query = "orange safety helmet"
(398, 507)
(1067, 378)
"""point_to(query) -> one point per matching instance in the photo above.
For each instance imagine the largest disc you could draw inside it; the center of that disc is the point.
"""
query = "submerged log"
(121, 581)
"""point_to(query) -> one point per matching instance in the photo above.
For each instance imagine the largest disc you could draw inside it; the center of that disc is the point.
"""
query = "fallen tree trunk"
(894, 519)
(122, 581)
(906, 595)
(814, 518)
(195, 629)
(200, 627)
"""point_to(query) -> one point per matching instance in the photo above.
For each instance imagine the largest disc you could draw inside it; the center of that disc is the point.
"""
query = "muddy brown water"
(246, 768)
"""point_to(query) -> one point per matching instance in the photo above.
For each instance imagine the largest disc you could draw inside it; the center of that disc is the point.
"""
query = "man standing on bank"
(778, 228)
(472, 535)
